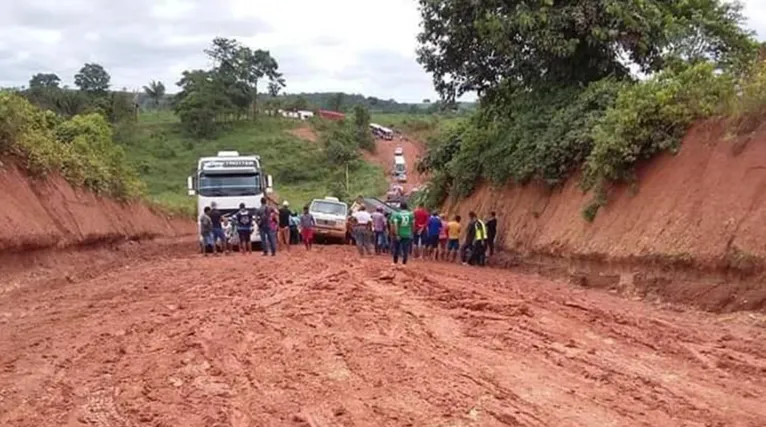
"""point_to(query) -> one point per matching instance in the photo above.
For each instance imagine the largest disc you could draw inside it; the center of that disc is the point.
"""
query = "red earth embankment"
(50, 213)
(694, 226)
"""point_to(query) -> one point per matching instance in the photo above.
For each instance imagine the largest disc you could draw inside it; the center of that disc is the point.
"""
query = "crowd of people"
(403, 234)
(278, 228)
(422, 234)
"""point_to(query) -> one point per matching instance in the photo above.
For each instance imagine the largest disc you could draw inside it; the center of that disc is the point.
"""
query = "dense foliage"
(557, 94)
(483, 46)
(80, 148)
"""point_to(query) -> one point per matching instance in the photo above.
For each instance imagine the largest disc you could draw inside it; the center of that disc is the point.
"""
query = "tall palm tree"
(155, 91)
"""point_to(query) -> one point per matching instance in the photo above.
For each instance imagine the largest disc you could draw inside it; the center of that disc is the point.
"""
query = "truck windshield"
(229, 185)
(330, 208)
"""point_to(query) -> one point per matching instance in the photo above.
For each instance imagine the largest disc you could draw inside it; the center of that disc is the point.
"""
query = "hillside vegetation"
(587, 114)
(164, 155)
(81, 148)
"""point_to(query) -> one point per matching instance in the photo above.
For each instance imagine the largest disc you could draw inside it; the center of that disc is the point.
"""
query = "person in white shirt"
(363, 230)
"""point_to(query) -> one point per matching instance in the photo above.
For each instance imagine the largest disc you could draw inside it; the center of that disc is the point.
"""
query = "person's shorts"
(443, 242)
(207, 239)
(244, 236)
(420, 238)
(453, 244)
(307, 234)
(432, 241)
(219, 234)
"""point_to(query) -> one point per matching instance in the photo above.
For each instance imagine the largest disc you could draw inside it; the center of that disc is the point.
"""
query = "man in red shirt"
(420, 236)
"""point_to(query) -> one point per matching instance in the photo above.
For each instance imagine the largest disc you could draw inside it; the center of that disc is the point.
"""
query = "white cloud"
(361, 46)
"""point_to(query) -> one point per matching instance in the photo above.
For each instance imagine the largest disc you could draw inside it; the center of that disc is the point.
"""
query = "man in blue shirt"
(434, 228)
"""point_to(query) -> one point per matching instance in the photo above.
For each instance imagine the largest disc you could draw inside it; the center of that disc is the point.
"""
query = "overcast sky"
(354, 46)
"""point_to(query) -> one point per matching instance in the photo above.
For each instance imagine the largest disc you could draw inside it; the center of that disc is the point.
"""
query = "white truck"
(229, 179)
(331, 216)
(400, 169)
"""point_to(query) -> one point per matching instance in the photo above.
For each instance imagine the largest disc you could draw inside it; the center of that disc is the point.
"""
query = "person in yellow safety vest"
(480, 243)
(475, 239)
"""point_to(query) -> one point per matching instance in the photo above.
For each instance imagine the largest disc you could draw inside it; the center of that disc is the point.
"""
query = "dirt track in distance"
(384, 156)
(328, 339)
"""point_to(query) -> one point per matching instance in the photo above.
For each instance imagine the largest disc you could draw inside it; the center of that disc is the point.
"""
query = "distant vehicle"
(402, 177)
(381, 132)
(331, 216)
(400, 167)
(398, 151)
(229, 179)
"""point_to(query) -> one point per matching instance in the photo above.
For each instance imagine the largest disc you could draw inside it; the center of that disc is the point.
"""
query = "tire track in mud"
(326, 338)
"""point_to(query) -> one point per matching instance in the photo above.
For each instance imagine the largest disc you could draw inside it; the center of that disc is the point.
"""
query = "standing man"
(363, 230)
(453, 234)
(218, 233)
(470, 238)
(307, 228)
(401, 232)
(206, 230)
(434, 228)
(264, 216)
(379, 228)
(421, 234)
(491, 233)
(284, 225)
(244, 229)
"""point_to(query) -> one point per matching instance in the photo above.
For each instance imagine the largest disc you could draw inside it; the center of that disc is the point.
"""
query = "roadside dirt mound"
(47, 213)
(328, 339)
(697, 216)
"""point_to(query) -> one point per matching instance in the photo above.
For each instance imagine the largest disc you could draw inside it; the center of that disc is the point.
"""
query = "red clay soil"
(704, 208)
(304, 132)
(384, 156)
(46, 213)
(328, 339)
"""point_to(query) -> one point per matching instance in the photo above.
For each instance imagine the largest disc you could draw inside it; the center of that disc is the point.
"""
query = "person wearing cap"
(284, 225)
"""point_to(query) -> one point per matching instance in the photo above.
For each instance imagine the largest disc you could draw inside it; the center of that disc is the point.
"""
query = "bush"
(652, 117)
(81, 149)
(604, 129)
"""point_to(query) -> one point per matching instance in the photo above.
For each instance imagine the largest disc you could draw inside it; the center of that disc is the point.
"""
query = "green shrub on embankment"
(81, 149)
(602, 130)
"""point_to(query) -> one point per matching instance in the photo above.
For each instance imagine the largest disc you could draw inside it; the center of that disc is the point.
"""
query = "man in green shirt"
(401, 231)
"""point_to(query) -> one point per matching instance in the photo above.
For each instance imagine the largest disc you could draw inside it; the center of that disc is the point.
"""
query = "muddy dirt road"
(326, 339)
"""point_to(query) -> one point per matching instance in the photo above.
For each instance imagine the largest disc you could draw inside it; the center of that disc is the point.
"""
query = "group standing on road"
(403, 233)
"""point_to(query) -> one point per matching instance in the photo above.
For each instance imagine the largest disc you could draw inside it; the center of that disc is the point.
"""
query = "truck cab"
(331, 216)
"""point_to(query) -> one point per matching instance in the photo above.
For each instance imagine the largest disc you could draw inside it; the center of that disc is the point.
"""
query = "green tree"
(241, 68)
(92, 78)
(202, 102)
(44, 80)
(483, 46)
(155, 91)
(362, 128)
(274, 88)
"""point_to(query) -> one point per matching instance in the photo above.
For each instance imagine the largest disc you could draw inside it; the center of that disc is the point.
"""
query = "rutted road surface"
(327, 339)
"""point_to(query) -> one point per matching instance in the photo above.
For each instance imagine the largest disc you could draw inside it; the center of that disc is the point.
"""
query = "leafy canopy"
(470, 45)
